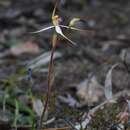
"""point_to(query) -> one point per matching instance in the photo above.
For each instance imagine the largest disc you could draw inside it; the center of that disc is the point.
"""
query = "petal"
(59, 31)
(42, 30)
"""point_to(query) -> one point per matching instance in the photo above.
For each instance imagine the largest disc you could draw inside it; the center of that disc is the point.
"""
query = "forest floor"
(78, 70)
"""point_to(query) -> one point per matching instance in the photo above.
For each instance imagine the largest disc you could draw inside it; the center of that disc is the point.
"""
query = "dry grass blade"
(63, 128)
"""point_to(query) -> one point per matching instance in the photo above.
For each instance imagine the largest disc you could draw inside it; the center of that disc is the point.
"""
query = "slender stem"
(50, 70)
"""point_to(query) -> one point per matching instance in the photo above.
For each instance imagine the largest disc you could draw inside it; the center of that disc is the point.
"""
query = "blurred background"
(106, 42)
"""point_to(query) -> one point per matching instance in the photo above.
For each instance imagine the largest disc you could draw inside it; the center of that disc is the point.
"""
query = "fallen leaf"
(108, 83)
(42, 60)
(128, 101)
(38, 107)
(90, 91)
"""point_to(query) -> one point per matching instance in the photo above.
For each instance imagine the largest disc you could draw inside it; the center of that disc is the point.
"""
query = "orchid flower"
(58, 27)
(58, 30)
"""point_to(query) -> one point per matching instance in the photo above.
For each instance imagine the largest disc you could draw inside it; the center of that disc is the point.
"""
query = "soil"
(103, 45)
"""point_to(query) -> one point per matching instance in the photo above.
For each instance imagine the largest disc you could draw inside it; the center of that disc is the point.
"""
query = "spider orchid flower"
(58, 27)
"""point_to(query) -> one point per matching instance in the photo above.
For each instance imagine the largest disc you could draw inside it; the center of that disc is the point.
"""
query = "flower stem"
(49, 80)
